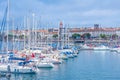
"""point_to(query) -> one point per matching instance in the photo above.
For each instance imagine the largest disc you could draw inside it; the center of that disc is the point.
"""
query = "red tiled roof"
(93, 30)
(42, 31)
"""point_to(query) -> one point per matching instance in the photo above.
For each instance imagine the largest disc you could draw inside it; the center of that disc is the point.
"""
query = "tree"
(103, 36)
(75, 36)
(114, 36)
(86, 35)
(55, 35)
(21, 36)
(10, 36)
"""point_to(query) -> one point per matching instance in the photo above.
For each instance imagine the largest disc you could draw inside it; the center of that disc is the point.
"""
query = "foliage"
(86, 35)
(103, 36)
(21, 36)
(55, 35)
(114, 36)
(75, 36)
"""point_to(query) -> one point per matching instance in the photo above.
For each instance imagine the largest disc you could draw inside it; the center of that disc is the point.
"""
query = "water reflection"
(23, 77)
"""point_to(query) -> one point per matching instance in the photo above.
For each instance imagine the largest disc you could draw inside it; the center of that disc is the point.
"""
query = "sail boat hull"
(17, 69)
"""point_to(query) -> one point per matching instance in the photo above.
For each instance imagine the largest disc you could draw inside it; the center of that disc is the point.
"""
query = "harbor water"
(89, 65)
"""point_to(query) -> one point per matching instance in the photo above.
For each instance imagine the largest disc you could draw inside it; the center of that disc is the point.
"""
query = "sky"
(76, 13)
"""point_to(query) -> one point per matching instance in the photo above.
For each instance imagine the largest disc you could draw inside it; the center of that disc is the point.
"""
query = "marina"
(89, 65)
(38, 43)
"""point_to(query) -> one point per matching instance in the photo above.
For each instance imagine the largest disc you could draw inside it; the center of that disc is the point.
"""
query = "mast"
(33, 29)
(68, 40)
(7, 25)
(51, 38)
(36, 44)
(58, 42)
(13, 34)
(29, 37)
(61, 35)
(24, 31)
(47, 35)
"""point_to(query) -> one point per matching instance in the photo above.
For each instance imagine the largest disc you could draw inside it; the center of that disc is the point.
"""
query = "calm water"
(89, 65)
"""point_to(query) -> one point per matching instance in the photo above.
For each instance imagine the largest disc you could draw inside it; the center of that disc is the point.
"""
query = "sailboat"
(6, 66)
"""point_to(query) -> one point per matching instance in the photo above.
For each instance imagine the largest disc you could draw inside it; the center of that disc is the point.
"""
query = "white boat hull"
(16, 69)
(45, 65)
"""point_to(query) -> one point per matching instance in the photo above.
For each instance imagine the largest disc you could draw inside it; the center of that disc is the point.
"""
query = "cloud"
(69, 11)
(101, 13)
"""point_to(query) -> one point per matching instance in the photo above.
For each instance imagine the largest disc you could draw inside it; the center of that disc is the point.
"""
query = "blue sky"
(76, 13)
